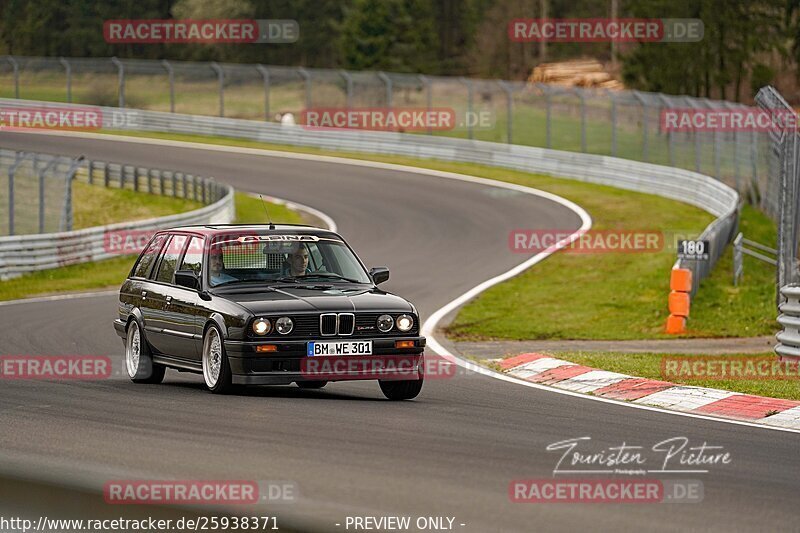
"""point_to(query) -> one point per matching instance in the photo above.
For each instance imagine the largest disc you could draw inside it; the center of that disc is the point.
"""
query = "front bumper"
(291, 364)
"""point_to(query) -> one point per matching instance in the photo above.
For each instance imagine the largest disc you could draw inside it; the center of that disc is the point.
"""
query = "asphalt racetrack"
(452, 452)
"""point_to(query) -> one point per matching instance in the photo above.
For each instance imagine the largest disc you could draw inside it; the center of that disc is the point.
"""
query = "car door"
(144, 295)
(173, 321)
(185, 303)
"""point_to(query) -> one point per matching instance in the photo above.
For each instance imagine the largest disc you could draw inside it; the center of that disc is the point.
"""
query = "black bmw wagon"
(266, 305)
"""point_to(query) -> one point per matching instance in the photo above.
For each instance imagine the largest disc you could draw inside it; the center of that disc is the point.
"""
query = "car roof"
(213, 229)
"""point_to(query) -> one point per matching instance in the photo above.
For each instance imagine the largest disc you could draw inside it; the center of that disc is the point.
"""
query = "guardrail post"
(66, 222)
(348, 79)
(171, 76)
(121, 74)
(428, 97)
(41, 191)
(548, 114)
(307, 80)
(174, 186)
(509, 109)
(18, 158)
(582, 97)
(68, 72)
(670, 133)
(738, 259)
(264, 71)
(387, 81)
(185, 189)
(613, 123)
(105, 175)
(468, 84)
(221, 83)
(15, 66)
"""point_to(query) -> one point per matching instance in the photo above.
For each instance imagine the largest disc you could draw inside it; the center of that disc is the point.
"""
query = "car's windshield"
(287, 258)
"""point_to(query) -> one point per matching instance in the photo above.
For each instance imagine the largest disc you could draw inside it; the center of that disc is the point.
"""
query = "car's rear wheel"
(401, 390)
(138, 360)
(216, 369)
(311, 384)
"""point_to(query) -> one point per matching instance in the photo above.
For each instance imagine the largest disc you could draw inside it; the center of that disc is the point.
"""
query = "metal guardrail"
(683, 185)
(789, 339)
(20, 254)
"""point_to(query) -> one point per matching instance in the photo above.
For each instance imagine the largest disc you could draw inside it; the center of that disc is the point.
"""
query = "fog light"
(403, 344)
(267, 348)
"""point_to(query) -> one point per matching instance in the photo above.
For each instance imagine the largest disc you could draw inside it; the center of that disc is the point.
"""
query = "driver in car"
(216, 266)
(297, 262)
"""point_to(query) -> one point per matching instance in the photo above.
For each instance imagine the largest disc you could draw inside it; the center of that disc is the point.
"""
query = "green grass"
(607, 296)
(97, 206)
(648, 365)
(111, 272)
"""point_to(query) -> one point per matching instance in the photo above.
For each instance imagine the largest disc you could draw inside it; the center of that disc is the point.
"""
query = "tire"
(138, 360)
(401, 390)
(216, 368)
(311, 384)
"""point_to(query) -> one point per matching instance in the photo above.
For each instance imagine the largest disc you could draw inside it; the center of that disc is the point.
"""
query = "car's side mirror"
(188, 279)
(379, 275)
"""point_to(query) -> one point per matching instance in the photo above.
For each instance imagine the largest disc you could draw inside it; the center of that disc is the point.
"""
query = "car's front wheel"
(216, 369)
(138, 360)
(401, 390)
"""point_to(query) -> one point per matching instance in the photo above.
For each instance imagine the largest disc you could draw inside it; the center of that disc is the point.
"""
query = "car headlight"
(405, 322)
(284, 325)
(261, 326)
(385, 323)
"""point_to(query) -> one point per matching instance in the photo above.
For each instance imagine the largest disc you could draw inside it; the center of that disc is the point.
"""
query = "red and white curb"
(546, 370)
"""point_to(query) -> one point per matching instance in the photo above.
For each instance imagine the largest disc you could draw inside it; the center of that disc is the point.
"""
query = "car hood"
(290, 300)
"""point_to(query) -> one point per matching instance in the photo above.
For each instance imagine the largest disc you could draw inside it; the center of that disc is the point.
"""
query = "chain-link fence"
(623, 124)
(39, 188)
(784, 173)
(37, 192)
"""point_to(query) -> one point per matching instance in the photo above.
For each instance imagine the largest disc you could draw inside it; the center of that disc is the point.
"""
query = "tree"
(394, 35)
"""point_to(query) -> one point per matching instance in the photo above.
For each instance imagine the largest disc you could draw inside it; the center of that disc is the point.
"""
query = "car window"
(193, 260)
(314, 257)
(148, 257)
(169, 258)
(248, 258)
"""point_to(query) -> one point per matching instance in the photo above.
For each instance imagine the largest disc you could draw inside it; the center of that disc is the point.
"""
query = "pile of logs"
(579, 73)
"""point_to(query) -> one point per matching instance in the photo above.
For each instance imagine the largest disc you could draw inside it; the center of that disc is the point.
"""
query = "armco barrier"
(788, 347)
(686, 186)
(20, 254)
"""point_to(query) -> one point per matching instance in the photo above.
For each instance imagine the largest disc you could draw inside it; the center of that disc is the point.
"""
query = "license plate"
(339, 348)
